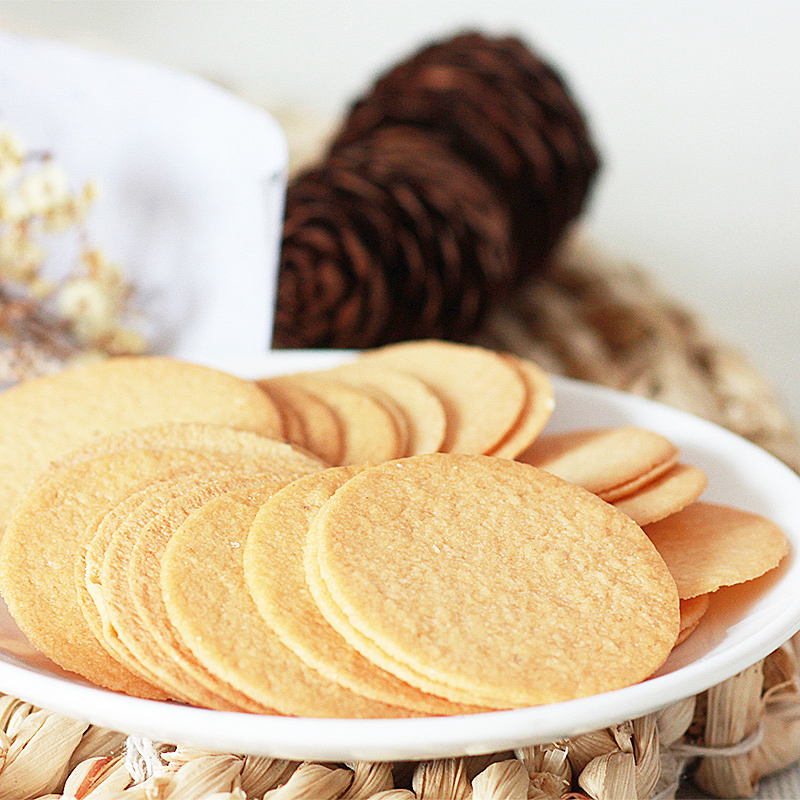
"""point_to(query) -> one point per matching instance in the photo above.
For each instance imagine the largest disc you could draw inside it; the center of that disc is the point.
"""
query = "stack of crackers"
(393, 537)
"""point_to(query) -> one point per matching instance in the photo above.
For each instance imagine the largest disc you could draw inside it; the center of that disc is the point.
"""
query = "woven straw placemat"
(592, 318)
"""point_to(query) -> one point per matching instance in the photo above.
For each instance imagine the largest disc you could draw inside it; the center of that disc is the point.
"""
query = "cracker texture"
(485, 578)
(44, 418)
(707, 546)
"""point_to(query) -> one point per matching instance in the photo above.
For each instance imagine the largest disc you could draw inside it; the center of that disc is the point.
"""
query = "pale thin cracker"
(628, 488)
(322, 429)
(90, 597)
(538, 407)
(482, 393)
(707, 546)
(230, 447)
(693, 610)
(604, 461)
(45, 537)
(667, 494)
(212, 439)
(44, 418)
(514, 587)
(370, 432)
(420, 404)
(207, 600)
(276, 579)
(131, 586)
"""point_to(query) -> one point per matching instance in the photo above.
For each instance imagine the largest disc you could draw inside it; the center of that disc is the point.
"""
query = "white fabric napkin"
(192, 182)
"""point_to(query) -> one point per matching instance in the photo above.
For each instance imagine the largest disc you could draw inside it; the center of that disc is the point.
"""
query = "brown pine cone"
(506, 112)
(449, 183)
(390, 239)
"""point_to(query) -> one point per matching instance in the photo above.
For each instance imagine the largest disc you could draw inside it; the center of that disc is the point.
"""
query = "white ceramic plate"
(192, 182)
(742, 626)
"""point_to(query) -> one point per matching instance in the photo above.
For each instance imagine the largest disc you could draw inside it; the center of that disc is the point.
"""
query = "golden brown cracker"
(292, 425)
(482, 393)
(685, 633)
(43, 418)
(323, 430)
(276, 578)
(91, 600)
(369, 429)
(603, 460)
(423, 409)
(131, 586)
(707, 546)
(221, 441)
(628, 488)
(46, 535)
(538, 407)
(231, 448)
(207, 600)
(486, 579)
(181, 683)
(402, 424)
(692, 610)
(667, 494)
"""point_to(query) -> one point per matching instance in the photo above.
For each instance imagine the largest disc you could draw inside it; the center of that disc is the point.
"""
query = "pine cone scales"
(417, 229)
(448, 184)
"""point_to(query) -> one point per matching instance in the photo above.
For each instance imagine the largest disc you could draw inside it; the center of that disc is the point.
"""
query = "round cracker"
(667, 494)
(707, 546)
(370, 432)
(322, 428)
(276, 578)
(131, 586)
(402, 424)
(207, 600)
(421, 406)
(91, 598)
(46, 535)
(292, 425)
(482, 393)
(215, 440)
(106, 596)
(514, 587)
(138, 609)
(628, 488)
(685, 633)
(538, 407)
(604, 461)
(692, 611)
(244, 450)
(43, 418)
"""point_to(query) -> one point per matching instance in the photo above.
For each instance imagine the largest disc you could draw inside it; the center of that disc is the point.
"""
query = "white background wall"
(695, 104)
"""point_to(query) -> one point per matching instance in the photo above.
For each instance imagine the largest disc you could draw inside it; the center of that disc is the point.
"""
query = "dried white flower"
(43, 190)
(20, 257)
(89, 308)
(12, 153)
(86, 312)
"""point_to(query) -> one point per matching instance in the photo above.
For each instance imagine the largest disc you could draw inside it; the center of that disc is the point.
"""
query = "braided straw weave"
(591, 318)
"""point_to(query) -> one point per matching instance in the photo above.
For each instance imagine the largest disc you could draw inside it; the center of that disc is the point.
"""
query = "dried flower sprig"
(45, 322)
